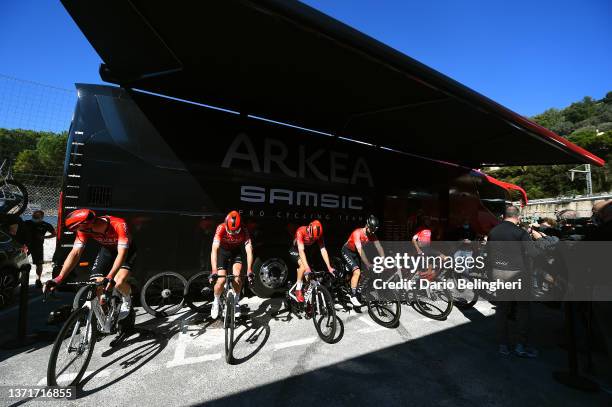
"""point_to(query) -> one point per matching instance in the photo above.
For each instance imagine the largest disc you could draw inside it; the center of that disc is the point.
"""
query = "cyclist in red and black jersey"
(231, 245)
(307, 236)
(115, 257)
(421, 241)
(354, 254)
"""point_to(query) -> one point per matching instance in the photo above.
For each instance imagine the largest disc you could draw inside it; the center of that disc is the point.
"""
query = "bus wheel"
(270, 276)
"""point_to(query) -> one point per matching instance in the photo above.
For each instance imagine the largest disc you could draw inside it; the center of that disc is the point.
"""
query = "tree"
(27, 162)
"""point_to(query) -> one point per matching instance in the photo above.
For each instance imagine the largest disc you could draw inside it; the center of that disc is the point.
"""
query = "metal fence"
(43, 193)
(27, 105)
(34, 106)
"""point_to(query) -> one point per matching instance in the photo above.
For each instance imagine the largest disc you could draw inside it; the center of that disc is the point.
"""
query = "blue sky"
(527, 55)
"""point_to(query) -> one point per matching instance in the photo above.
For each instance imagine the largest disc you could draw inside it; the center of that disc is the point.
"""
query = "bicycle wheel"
(385, 313)
(13, 197)
(199, 292)
(324, 314)
(80, 298)
(163, 294)
(72, 349)
(433, 303)
(229, 325)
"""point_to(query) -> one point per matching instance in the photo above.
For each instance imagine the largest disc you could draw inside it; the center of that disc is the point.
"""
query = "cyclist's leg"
(121, 282)
(121, 278)
(236, 269)
(102, 265)
(223, 261)
(354, 264)
(295, 256)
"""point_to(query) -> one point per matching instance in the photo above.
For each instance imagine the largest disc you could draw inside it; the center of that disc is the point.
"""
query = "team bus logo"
(320, 164)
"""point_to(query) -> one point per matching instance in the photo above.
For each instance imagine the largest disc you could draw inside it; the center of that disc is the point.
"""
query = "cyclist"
(230, 244)
(422, 244)
(306, 236)
(354, 254)
(115, 257)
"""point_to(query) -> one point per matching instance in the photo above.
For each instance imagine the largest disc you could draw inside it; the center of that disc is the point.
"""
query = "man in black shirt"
(37, 230)
(510, 247)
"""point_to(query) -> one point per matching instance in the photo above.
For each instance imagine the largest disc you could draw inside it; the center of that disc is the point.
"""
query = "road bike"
(430, 294)
(318, 305)
(227, 304)
(13, 194)
(383, 310)
(96, 318)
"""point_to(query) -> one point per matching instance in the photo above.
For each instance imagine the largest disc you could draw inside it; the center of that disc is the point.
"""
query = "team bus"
(174, 169)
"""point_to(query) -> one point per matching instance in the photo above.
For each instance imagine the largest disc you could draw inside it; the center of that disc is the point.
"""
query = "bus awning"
(285, 61)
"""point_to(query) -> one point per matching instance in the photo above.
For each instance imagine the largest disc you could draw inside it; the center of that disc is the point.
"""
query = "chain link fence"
(29, 113)
(43, 194)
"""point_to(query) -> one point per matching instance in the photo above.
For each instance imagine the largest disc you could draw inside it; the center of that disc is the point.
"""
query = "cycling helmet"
(315, 229)
(78, 218)
(232, 223)
(372, 224)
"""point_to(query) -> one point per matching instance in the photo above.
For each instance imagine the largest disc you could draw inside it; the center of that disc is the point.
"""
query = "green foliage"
(587, 123)
(33, 152)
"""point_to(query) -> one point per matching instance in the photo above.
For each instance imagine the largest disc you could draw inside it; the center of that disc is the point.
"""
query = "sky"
(526, 55)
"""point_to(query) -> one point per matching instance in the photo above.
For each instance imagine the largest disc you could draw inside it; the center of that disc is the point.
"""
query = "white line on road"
(299, 342)
(71, 376)
(372, 327)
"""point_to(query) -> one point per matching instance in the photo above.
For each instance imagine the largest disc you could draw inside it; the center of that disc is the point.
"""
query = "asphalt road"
(179, 361)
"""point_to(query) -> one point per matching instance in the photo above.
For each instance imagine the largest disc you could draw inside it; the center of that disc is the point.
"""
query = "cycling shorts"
(308, 250)
(105, 259)
(351, 258)
(227, 258)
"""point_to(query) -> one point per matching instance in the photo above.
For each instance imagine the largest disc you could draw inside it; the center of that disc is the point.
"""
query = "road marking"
(71, 376)
(372, 326)
(299, 342)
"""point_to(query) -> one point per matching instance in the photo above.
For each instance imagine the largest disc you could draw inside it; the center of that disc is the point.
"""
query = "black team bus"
(173, 169)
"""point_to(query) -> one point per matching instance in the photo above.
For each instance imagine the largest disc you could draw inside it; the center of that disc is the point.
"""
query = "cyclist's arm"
(379, 248)
(248, 248)
(213, 256)
(364, 258)
(325, 256)
(121, 256)
(415, 243)
(70, 263)
(303, 255)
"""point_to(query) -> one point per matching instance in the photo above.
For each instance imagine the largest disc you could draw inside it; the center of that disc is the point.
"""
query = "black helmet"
(372, 224)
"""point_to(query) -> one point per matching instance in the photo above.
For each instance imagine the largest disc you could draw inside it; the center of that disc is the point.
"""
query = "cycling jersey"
(231, 242)
(106, 258)
(116, 234)
(358, 238)
(302, 237)
(423, 236)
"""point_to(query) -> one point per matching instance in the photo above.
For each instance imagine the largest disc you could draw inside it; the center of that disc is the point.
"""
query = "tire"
(229, 323)
(270, 276)
(17, 188)
(199, 292)
(438, 307)
(67, 329)
(378, 309)
(321, 294)
(163, 294)
(80, 298)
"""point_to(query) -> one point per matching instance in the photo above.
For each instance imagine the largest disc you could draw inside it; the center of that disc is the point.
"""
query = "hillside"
(587, 123)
